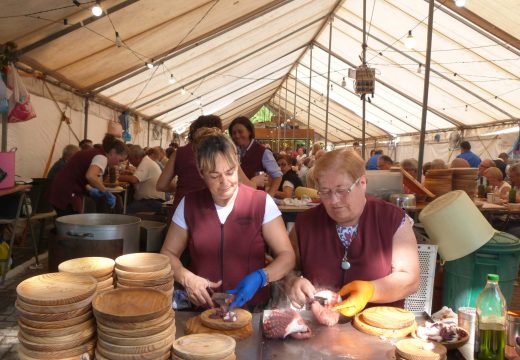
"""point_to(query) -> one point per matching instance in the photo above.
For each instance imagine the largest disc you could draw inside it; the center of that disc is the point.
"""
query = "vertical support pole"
(278, 122)
(285, 111)
(85, 126)
(309, 103)
(148, 135)
(364, 60)
(294, 110)
(426, 88)
(160, 141)
(328, 83)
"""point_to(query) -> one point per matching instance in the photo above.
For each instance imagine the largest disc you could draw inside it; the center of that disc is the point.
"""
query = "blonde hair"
(208, 143)
(345, 161)
(494, 172)
(438, 164)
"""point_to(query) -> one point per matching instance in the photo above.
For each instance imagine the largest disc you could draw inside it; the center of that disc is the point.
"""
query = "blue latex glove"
(247, 287)
(95, 193)
(110, 198)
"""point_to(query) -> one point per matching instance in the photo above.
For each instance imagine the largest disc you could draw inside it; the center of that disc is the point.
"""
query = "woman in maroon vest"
(227, 228)
(364, 246)
(86, 167)
(254, 157)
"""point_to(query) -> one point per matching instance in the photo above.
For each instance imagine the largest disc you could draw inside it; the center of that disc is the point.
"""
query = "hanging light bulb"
(460, 3)
(97, 10)
(343, 82)
(172, 80)
(150, 64)
(331, 88)
(419, 69)
(183, 91)
(410, 41)
(118, 40)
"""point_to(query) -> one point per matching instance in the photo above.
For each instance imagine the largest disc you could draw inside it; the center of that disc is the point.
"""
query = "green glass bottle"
(491, 322)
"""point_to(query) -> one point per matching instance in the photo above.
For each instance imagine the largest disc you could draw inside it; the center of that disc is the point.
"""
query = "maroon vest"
(70, 182)
(370, 253)
(252, 160)
(186, 169)
(230, 251)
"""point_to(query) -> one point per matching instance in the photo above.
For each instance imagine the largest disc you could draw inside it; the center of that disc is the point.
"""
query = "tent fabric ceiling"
(231, 57)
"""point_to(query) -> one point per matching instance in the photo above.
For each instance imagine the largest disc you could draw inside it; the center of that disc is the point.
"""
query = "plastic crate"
(421, 300)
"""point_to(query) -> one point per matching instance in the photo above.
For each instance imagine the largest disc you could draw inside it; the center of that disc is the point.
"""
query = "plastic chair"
(421, 300)
(17, 216)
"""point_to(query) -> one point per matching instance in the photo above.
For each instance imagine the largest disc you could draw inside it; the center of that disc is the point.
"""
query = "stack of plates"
(465, 179)
(56, 320)
(204, 346)
(100, 268)
(385, 321)
(148, 270)
(438, 181)
(134, 324)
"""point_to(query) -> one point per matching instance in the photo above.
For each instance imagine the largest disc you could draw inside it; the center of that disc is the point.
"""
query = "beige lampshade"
(456, 225)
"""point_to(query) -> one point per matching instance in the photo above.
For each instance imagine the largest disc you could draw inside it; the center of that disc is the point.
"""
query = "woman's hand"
(301, 291)
(260, 180)
(197, 289)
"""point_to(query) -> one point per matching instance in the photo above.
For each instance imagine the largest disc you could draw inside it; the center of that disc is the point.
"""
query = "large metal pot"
(404, 201)
(101, 227)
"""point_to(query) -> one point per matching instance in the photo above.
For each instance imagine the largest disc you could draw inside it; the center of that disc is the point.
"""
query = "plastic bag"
(22, 109)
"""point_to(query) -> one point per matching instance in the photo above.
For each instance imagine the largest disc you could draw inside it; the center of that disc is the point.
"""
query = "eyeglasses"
(340, 192)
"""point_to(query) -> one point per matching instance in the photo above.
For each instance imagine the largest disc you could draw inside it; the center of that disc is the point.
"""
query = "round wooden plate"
(142, 262)
(141, 325)
(63, 354)
(137, 349)
(448, 345)
(162, 353)
(164, 287)
(204, 346)
(22, 356)
(105, 283)
(151, 330)
(388, 317)
(148, 275)
(244, 317)
(146, 283)
(195, 326)
(131, 305)
(414, 349)
(70, 342)
(57, 324)
(103, 278)
(93, 266)
(229, 357)
(359, 324)
(56, 289)
(33, 331)
(138, 340)
(54, 309)
(51, 317)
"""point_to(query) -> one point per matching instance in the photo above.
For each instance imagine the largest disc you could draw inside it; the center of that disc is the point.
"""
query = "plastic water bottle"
(491, 322)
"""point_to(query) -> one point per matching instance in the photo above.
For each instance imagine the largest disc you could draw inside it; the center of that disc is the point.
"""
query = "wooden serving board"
(54, 309)
(149, 282)
(105, 283)
(229, 357)
(411, 183)
(93, 266)
(138, 340)
(244, 317)
(151, 330)
(142, 262)
(34, 331)
(137, 349)
(73, 353)
(414, 349)
(160, 354)
(56, 289)
(194, 326)
(63, 341)
(104, 278)
(86, 337)
(57, 324)
(204, 347)
(139, 325)
(359, 324)
(149, 275)
(164, 287)
(131, 305)
(388, 317)
(51, 317)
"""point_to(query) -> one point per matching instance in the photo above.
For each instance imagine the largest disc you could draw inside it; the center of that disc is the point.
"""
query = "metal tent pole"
(364, 59)
(309, 103)
(328, 83)
(285, 111)
(85, 126)
(294, 108)
(426, 88)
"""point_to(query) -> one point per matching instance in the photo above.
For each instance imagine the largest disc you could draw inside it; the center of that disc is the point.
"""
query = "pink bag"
(22, 109)
(7, 169)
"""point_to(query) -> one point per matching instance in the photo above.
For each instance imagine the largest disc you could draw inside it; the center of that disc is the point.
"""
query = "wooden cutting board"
(54, 309)
(105, 283)
(359, 324)
(229, 357)
(150, 330)
(131, 305)
(194, 326)
(57, 324)
(148, 282)
(169, 332)
(148, 275)
(164, 287)
(136, 325)
(52, 317)
(204, 347)
(93, 266)
(142, 262)
(415, 186)
(244, 317)
(160, 354)
(388, 317)
(56, 289)
(414, 349)
(85, 337)
(103, 278)
(137, 349)
(73, 353)
(35, 331)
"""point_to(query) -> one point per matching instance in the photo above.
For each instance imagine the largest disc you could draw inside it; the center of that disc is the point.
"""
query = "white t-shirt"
(101, 162)
(147, 173)
(271, 212)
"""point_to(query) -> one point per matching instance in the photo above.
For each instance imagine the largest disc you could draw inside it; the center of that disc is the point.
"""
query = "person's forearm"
(129, 179)
(242, 178)
(281, 266)
(95, 181)
(179, 271)
(164, 181)
(394, 287)
(289, 279)
(275, 184)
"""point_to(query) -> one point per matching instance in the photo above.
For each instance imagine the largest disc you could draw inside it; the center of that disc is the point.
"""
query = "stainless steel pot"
(404, 201)
(101, 227)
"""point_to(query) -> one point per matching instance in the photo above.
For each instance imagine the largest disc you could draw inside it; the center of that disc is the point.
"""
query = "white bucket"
(456, 225)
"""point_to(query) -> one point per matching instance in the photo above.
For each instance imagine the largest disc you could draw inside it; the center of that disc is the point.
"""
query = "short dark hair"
(378, 152)
(111, 142)
(85, 144)
(387, 159)
(243, 121)
(465, 145)
(208, 121)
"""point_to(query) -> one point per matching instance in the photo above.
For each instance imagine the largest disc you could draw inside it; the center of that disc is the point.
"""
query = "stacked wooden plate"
(414, 349)
(385, 321)
(100, 268)
(465, 179)
(149, 270)
(204, 346)
(135, 323)
(204, 323)
(438, 181)
(56, 320)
